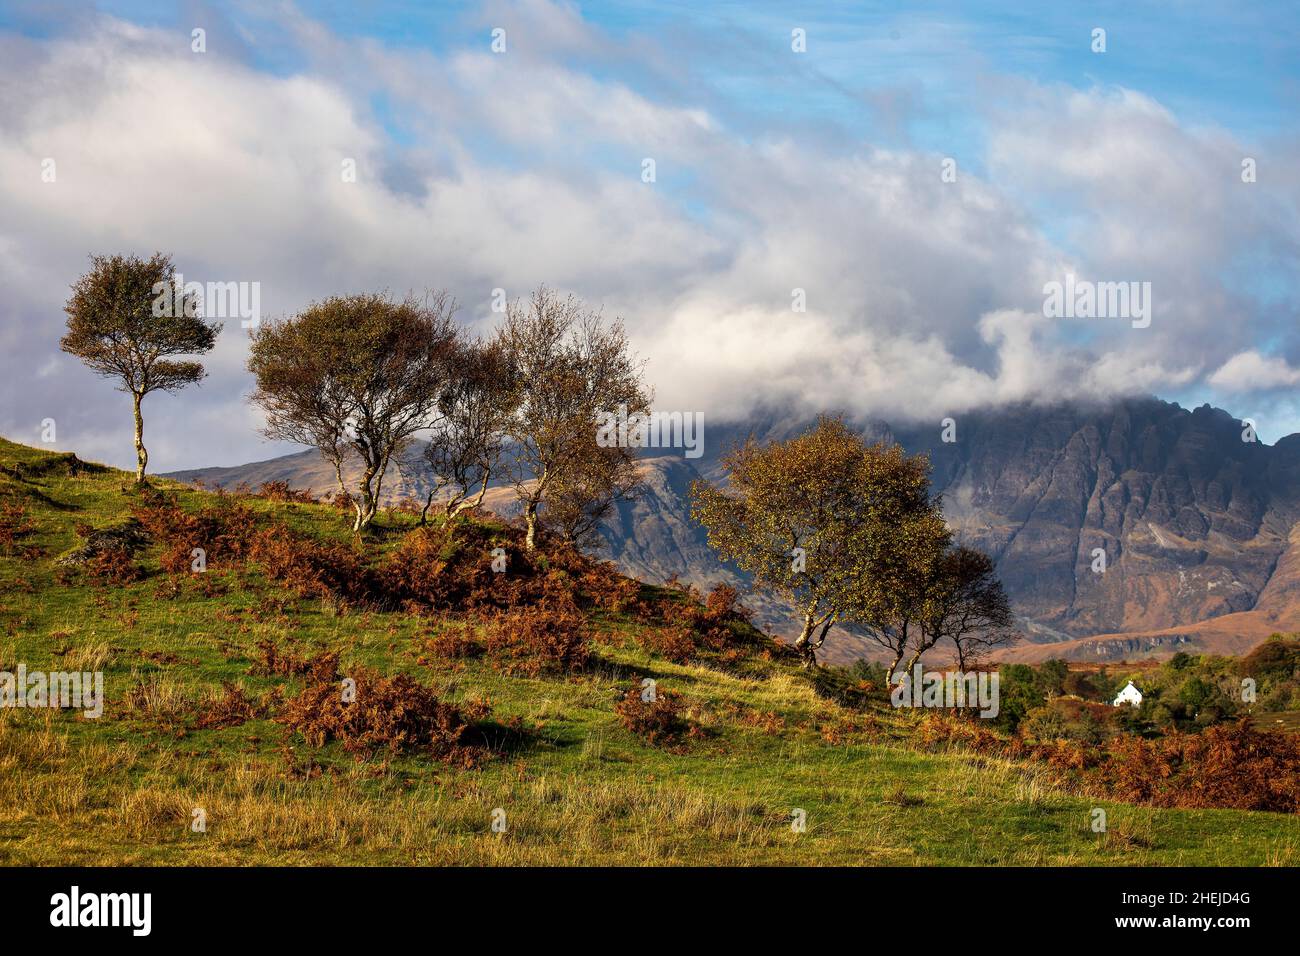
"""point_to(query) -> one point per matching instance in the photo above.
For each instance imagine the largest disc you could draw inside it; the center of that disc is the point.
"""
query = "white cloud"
(924, 298)
(1252, 372)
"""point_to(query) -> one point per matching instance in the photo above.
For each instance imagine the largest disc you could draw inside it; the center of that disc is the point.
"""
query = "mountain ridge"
(1195, 523)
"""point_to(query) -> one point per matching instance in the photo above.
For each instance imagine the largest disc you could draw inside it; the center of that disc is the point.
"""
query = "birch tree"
(568, 366)
(356, 377)
(466, 447)
(128, 321)
(828, 523)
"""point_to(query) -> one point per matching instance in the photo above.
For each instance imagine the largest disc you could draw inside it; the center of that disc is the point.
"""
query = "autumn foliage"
(1225, 766)
(548, 639)
(386, 713)
(657, 721)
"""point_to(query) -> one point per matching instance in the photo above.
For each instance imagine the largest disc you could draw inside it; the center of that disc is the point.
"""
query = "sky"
(916, 175)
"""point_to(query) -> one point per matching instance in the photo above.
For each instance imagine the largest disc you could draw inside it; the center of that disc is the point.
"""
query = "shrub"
(548, 639)
(604, 588)
(223, 530)
(1067, 718)
(321, 668)
(722, 603)
(388, 713)
(280, 491)
(657, 721)
(938, 730)
(457, 643)
(1230, 766)
(448, 566)
(675, 643)
(309, 566)
(416, 570)
(230, 708)
(113, 566)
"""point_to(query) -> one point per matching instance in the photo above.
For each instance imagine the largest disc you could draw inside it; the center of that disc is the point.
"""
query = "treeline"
(846, 532)
(360, 377)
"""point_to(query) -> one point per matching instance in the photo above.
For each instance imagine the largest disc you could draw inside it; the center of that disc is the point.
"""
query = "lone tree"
(356, 377)
(829, 523)
(127, 320)
(568, 366)
(466, 446)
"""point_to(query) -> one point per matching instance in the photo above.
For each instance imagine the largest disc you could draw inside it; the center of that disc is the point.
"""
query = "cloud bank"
(921, 292)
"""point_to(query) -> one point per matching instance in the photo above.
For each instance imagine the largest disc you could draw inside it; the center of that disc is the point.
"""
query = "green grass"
(579, 789)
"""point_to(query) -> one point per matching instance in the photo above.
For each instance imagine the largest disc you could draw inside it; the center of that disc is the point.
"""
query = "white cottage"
(1129, 695)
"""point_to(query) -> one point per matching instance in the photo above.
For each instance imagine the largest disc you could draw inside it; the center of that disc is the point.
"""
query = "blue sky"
(1230, 64)
(776, 170)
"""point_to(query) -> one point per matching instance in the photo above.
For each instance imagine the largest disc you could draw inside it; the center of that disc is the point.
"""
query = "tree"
(356, 376)
(908, 613)
(465, 448)
(568, 367)
(836, 527)
(964, 603)
(581, 499)
(127, 320)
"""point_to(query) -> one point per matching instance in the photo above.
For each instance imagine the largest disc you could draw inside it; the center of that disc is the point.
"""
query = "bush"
(457, 643)
(428, 569)
(939, 730)
(309, 566)
(1229, 766)
(280, 491)
(230, 708)
(273, 662)
(223, 530)
(113, 566)
(675, 643)
(388, 713)
(548, 639)
(722, 603)
(1065, 718)
(658, 721)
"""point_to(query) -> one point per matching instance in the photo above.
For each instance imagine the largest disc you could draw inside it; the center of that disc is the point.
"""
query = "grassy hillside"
(576, 785)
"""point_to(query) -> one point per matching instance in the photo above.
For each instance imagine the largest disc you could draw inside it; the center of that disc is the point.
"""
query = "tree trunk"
(343, 487)
(803, 645)
(922, 646)
(530, 517)
(478, 499)
(424, 512)
(889, 674)
(369, 504)
(141, 455)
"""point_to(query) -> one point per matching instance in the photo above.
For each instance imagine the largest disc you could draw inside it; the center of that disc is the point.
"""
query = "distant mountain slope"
(1196, 524)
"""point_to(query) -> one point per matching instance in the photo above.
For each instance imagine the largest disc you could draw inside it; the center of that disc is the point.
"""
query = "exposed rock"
(129, 536)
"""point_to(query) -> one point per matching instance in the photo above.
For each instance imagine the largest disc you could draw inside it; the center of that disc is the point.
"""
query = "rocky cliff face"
(1192, 520)
(1196, 525)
